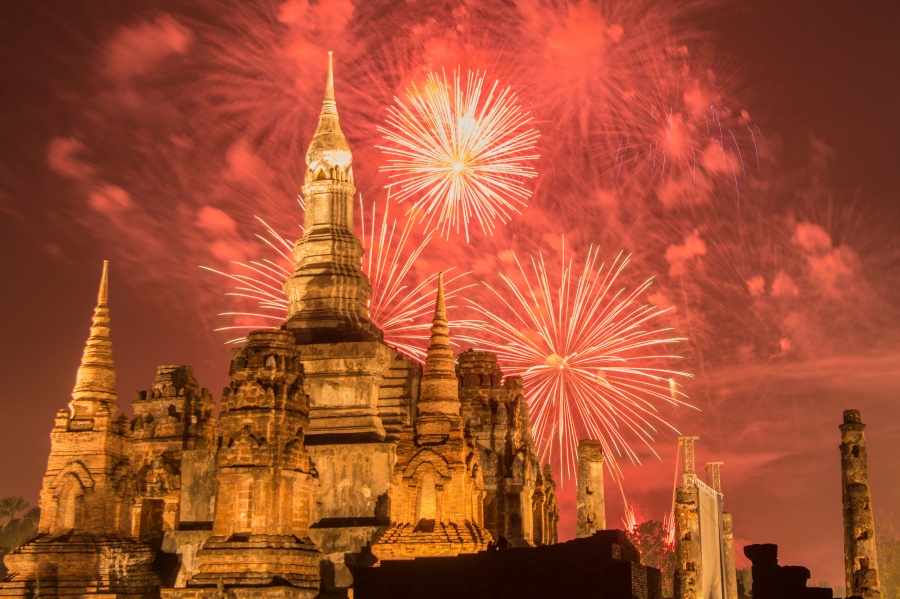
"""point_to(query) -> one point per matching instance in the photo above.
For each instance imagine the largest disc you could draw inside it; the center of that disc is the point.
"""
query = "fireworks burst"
(398, 306)
(683, 138)
(460, 154)
(586, 352)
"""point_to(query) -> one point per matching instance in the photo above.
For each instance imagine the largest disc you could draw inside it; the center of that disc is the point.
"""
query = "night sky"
(150, 134)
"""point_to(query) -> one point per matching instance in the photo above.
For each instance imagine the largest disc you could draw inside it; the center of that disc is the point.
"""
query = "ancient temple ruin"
(520, 495)
(85, 543)
(330, 444)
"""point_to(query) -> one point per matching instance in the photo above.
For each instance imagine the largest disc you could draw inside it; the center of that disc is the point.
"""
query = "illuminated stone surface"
(860, 560)
(520, 496)
(84, 545)
(437, 488)
(590, 498)
(731, 589)
(688, 577)
(260, 541)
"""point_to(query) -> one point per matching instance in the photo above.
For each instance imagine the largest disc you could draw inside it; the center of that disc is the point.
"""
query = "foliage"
(18, 523)
(650, 540)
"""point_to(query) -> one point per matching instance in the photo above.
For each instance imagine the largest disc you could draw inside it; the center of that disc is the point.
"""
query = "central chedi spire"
(328, 292)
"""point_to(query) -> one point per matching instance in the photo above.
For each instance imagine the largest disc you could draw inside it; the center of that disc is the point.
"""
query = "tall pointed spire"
(440, 388)
(329, 157)
(96, 375)
(439, 345)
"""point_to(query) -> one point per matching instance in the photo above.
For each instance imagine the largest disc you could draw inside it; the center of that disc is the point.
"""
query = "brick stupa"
(437, 488)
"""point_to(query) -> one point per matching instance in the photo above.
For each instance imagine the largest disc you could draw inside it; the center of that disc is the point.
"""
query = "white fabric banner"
(710, 504)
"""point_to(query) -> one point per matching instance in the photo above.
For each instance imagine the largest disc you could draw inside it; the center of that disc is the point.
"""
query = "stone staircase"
(430, 538)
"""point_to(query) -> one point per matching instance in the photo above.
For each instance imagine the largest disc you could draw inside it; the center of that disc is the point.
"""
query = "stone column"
(590, 499)
(728, 550)
(688, 575)
(861, 565)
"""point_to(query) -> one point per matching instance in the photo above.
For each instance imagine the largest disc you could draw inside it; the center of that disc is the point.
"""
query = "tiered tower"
(172, 421)
(860, 560)
(84, 546)
(437, 488)
(328, 293)
(260, 544)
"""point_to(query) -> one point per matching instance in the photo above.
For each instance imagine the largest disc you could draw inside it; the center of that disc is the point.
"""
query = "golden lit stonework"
(329, 443)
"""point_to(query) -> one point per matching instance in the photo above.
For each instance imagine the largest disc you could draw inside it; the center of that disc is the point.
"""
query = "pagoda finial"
(103, 293)
(329, 156)
(440, 392)
(440, 327)
(329, 106)
(440, 308)
(96, 375)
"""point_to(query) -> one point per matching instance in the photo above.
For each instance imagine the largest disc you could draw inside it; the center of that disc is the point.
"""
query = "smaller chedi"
(437, 489)
(84, 543)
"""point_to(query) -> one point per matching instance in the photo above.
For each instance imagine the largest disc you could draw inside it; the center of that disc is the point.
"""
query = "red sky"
(152, 133)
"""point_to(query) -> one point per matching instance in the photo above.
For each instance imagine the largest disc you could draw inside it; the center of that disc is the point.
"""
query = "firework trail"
(461, 154)
(586, 351)
(399, 305)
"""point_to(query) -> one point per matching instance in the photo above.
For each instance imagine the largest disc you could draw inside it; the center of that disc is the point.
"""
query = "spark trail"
(586, 348)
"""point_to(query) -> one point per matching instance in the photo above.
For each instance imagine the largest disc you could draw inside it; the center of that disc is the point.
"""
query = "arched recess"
(426, 478)
(69, 495)
(427, 456)
(123, 487)
(76, 469)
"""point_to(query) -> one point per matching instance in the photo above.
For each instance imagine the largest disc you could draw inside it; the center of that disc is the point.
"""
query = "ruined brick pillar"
(688, 576)
(861, 565)
(172, 422)
(590, 499)
(731, 591)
